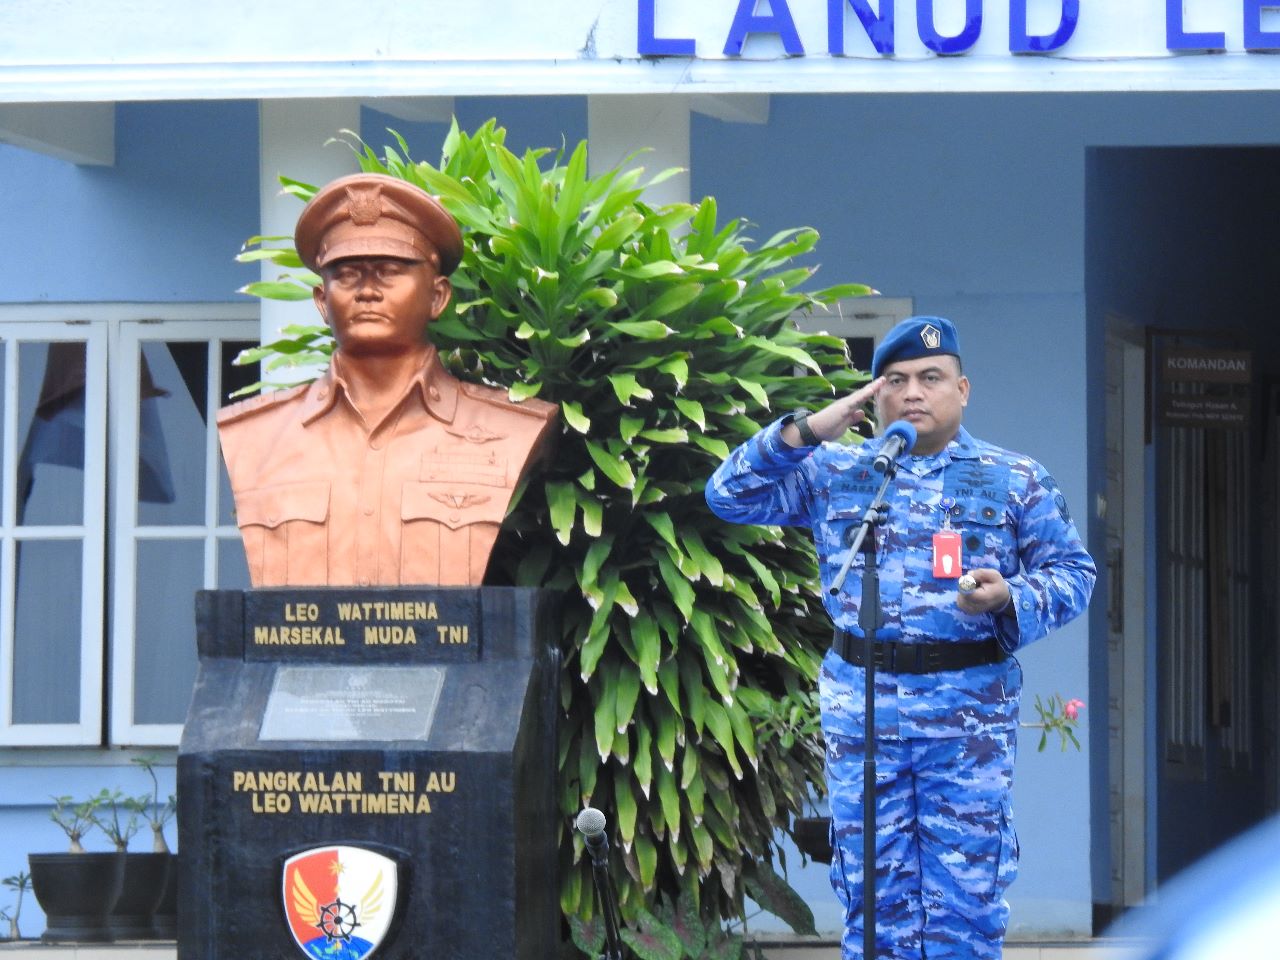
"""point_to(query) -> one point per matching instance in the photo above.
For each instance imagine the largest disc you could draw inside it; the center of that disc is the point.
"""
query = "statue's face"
(379, 306)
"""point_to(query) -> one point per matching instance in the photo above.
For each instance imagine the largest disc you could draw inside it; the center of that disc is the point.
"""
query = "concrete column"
(293, 135)
(620, 124)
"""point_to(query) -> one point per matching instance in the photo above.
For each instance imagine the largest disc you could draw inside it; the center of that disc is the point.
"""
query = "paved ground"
(1082, 950)
(773, 950)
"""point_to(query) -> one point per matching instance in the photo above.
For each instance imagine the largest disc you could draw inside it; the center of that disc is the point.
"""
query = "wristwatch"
(807, 436)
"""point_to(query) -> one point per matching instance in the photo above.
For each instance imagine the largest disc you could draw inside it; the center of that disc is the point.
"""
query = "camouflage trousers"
(945, 846)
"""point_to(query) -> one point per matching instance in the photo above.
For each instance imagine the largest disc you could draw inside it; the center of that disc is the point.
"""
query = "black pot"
(140, 893)
(164, 923)
(813, 837)
(76, 891)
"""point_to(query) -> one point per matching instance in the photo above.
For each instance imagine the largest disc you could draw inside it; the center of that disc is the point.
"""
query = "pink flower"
(1071, 709)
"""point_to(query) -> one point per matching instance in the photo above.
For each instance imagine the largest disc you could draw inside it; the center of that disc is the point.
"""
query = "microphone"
(898, 437)
(590, 823)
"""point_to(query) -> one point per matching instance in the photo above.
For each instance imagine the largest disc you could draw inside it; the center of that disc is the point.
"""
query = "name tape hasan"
(341, 791)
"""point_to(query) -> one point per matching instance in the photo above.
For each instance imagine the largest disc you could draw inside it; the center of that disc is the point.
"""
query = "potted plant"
(76, 889)
(164, 923)
(120, 817)
(20, 881)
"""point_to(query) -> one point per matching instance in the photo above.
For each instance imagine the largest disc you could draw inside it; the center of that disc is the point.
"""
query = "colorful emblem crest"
(931, 336)
(339, 901)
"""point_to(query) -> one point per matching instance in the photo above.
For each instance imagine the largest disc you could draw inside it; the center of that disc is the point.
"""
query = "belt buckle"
(933, 660)
(886, 656)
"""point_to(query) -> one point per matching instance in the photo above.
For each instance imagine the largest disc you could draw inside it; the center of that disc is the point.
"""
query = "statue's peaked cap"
(374, 215)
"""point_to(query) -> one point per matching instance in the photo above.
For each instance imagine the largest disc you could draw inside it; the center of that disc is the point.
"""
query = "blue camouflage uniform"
(945, 742)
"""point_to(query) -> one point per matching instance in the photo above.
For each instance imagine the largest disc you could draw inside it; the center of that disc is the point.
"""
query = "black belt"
(895, 657)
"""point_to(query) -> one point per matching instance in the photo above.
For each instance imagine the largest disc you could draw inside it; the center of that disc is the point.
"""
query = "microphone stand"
(870, 619)
(598, 848)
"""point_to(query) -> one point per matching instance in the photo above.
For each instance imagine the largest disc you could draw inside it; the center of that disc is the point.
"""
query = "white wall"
(239, 48)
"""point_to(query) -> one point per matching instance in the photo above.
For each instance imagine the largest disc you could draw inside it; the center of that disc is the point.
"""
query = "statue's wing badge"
(339, 901)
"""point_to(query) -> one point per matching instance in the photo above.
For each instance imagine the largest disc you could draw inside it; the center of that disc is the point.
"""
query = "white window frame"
(125, 530)
(111, 333)
(16, 327)
(872, 316)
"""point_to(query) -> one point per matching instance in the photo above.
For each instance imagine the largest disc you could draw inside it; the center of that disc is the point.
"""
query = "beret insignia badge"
(931, 337)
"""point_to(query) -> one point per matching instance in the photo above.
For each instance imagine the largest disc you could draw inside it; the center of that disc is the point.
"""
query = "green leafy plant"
(75, 819)
(120, 817)
(156, 814)
(21, 882)
(676, 931)
(666, 337)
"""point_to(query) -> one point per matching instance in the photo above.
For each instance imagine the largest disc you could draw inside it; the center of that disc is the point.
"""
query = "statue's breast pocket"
(285, 533)
(454, 504)
(448, 529)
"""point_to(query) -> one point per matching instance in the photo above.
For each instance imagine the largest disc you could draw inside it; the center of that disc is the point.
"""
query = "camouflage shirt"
(1010, 516)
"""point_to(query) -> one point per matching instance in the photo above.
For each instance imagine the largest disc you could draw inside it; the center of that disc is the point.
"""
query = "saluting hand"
(835, 419)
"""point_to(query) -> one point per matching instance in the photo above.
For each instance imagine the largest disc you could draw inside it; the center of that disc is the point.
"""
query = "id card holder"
(946, 555)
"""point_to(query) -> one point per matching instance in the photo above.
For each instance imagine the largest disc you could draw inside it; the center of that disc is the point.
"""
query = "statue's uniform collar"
(437, 388)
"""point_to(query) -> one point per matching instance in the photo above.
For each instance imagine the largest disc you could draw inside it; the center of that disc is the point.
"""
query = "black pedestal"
(370, 770)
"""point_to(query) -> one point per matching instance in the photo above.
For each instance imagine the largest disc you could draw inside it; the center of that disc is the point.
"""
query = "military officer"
(386, 470)
(948, 683)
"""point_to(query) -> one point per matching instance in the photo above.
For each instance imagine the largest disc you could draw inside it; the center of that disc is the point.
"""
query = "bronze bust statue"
(387, 470)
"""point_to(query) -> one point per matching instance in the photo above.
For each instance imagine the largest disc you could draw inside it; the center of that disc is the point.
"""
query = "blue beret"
(916, 337)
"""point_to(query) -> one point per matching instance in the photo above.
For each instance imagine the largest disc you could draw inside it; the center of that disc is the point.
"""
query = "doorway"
(1181, 249)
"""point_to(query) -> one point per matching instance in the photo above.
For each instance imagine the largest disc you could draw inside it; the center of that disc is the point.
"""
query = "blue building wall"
(163, 224)
(973, 205)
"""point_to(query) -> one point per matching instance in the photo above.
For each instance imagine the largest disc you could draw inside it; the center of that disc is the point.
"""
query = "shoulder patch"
(1059, 500)
(263, 401)
(497, 396)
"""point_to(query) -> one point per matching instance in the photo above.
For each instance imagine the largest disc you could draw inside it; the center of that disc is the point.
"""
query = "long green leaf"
(648, 644)
(612, 466)
(561, 503)
(276, 290)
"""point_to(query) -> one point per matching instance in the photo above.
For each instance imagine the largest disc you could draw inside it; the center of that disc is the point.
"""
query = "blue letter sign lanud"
(778, 20)
(649, 45)
(877, 19)
(935, 41)
(1177, 39)
(1021, 42)
(879, 28)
